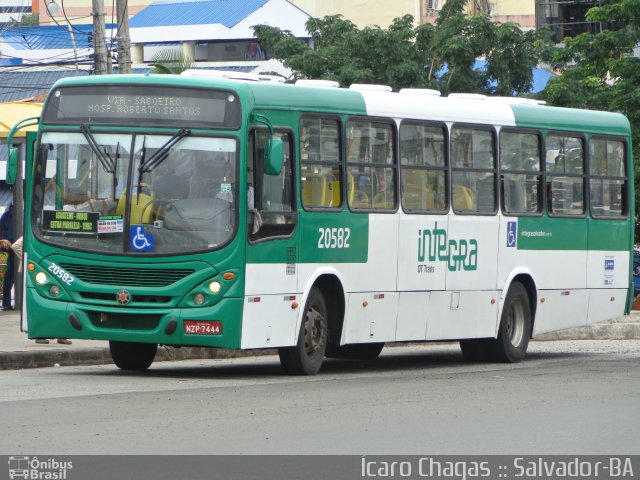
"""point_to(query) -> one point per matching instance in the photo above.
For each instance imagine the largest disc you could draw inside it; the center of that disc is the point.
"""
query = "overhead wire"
(65, 60)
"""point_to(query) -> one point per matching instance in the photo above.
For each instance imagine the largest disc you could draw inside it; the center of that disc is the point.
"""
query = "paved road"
(568, 397)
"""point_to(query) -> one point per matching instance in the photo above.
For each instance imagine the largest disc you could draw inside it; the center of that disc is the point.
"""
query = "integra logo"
(434, 245)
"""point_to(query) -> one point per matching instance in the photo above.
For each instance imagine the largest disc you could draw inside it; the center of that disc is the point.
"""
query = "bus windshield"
(135, 193)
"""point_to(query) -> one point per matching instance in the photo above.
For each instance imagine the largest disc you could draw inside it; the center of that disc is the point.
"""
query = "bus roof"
(410, 103)
(557, 118)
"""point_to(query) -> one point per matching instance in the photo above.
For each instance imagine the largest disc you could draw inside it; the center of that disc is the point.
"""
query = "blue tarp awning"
(540, 75)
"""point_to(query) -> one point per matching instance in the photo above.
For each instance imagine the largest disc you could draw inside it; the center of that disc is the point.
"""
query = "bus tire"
(515, 327)
(360, 351)
(132, 355)
(307, 356)
(475, 350)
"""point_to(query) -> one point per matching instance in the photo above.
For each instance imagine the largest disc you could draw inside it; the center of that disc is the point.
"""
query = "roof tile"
(195, 12)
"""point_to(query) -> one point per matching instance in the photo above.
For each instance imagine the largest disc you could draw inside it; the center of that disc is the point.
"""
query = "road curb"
(102, 356)
(610, 331)
(74, 356)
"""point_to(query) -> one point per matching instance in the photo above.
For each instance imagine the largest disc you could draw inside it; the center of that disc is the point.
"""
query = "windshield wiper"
(162, 154)
(105, 159)
(159, 156)
(141, 170)
(115, 168)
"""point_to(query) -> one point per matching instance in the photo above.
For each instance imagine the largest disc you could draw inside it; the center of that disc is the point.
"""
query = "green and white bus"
(323, 222)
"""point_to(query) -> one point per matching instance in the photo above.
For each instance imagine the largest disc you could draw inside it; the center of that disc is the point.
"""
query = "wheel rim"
(313, 331)
(515, 323)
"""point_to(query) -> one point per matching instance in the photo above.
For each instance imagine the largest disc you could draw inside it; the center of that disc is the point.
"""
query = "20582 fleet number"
(61, 274)
(334, 237)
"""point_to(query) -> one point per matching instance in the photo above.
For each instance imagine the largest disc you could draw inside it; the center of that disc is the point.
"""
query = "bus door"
(609, 245)
(423, 225)
(269, 317)
(469, 308)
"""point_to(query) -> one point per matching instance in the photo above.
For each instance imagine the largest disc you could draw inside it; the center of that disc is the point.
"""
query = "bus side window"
(423, 174)
(273, 213)
(608, 177)
(473, 170)
(520, 172)
(371, 161)
(565, 175)
(320, 163)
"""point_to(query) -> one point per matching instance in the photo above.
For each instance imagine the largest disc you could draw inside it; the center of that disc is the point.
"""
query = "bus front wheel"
(132, 355)
(307, 356)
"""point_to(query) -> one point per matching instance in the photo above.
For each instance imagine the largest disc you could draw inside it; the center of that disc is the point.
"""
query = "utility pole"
(102, 59)
(124, 42)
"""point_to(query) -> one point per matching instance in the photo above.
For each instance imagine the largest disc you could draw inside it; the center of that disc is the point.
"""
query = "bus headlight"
(214, 287)
(54, 291)
(198, 299)
(41, 278)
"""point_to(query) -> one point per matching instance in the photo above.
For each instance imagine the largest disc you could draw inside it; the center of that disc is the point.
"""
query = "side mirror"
(12, 165)
(274, 156)
(14, 154)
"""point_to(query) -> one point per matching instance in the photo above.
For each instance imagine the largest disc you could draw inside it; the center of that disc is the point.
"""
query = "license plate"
(200, 327)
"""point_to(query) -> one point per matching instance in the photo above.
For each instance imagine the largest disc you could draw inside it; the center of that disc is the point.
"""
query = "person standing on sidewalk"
(17, 249)
(8, 236)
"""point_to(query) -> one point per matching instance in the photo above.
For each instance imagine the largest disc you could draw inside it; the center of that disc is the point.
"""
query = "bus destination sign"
(70, 222)
(148, 106)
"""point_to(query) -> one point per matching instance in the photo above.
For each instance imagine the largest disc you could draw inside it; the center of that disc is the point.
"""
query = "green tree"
(407, 56)
(600, 70)
(169, 61)
(30, 20)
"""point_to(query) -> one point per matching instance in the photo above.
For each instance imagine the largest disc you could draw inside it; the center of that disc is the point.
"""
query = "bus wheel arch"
(530, 287)
(307, 355)
(334, 296)
(516, 325)
(514, 329)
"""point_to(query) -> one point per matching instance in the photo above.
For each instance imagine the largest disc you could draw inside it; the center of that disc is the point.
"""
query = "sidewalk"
(17, 351)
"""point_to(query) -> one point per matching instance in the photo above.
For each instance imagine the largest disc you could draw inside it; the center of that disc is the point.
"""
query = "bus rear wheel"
(132, 355)
(361, 351)
(515, 327)
(307, 356)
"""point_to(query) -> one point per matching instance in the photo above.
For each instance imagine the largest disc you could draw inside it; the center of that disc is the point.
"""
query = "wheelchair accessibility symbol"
(512, 231)
(140, 241)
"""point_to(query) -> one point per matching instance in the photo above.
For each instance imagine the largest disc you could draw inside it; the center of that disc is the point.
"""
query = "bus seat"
(414, 198)
(462, 198)
(351, 188)
(141, 211)
(314, 191)
(335, 187)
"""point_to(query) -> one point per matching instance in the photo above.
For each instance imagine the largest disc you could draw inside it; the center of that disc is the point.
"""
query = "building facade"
(382, 12)
(568, 18)
(80, 11)
(521, 12)
(361, 12)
